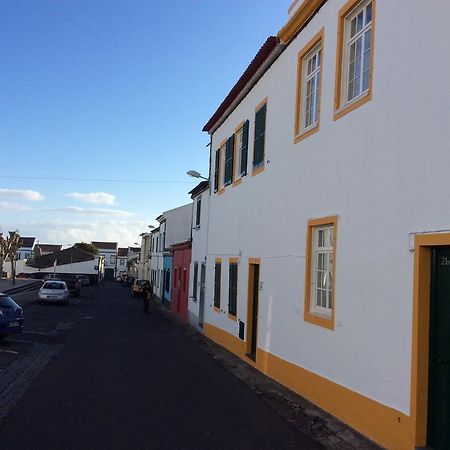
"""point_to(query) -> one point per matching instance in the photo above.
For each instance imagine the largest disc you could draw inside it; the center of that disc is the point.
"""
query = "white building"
(145, 255)
(109, 251)
(26, 245)
(200, 211)
(324, 232)
(122, 260)
(174, 227)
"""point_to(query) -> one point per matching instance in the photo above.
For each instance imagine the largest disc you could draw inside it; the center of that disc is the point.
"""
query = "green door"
(439, 364)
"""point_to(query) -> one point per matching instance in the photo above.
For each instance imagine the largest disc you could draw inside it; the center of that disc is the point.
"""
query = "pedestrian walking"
(147, 295)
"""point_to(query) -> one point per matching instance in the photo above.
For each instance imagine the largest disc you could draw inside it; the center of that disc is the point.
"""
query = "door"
(253, 294)
(438, 435)
(201, 306)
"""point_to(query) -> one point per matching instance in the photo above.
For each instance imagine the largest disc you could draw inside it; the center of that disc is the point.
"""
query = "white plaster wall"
(383, 169)
(199, 252)
(178, 224)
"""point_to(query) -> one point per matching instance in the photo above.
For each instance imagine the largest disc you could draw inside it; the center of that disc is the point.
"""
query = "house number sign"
(445, 261)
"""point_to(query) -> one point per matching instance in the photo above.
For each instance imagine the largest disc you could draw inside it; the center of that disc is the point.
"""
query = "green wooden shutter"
(216, 171)
(232, 289)
(260, 130)
(229, 156)
(244, 150)
(217, 281)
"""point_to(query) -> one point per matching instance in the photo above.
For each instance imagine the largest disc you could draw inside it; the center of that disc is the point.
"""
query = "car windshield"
(141, 282)
(53, 285)
(6, 302)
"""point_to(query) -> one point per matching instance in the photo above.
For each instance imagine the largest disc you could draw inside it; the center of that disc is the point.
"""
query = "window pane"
(359, 21)
(369, 13)
(353, 27)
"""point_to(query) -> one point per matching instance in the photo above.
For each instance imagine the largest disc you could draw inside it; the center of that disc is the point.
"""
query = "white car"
(54, 291)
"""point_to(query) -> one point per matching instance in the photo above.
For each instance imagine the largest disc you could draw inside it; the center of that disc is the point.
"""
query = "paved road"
(120, 379)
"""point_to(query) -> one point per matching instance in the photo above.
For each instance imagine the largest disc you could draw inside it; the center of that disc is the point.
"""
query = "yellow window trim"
(236, 181)
(258, 170)
(261, 104)
(315, 41)
(343, 13)
(310, 316)
(216, 309)
(231, 317)
(303, 14)
(219, 172)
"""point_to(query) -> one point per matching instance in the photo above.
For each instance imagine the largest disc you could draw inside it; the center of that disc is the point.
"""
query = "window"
(232, 287)
(217, 281)
(198, 211)
(122, 262)
(355, 56)
(194, 284)
(229, 161)
(320, 262)
(260, 131)
(308, 88)
(112, 259)
(241, 149)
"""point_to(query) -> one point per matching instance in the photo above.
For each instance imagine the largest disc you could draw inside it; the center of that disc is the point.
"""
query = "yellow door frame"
(423, 246)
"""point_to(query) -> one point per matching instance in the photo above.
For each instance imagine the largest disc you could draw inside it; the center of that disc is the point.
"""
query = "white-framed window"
(322, 269)
(112, 259)
(311, 67)
(357, 52)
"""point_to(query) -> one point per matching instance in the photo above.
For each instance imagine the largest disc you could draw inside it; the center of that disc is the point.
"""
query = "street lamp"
(195, 174)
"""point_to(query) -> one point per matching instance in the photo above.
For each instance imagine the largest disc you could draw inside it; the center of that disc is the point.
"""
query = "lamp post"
(195, 174)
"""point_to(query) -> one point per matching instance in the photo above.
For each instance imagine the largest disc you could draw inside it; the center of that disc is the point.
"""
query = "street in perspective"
(224, 224)
(99, 373)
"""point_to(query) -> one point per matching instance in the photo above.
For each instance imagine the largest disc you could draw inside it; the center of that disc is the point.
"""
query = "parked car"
(138, 287)
(72, 282)
(84, 280)
(129, 281)
(54, 291)
(51, 276)
(11, 316)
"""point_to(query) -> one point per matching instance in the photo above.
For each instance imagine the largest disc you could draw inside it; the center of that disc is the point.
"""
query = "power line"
(100, 180)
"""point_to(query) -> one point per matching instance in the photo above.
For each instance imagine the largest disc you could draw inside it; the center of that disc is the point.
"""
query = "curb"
(25, 288)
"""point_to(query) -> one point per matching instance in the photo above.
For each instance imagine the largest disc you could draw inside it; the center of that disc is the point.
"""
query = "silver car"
(54, 291)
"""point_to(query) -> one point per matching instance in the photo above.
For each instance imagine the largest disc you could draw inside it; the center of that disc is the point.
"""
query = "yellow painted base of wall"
(384, 425)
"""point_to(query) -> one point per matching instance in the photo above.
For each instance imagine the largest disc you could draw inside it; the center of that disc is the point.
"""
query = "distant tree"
(132, 262)
(87, 247)
(8, 249)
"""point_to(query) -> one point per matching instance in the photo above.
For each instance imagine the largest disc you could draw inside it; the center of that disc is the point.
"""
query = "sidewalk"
(7, 286)
(303, 415)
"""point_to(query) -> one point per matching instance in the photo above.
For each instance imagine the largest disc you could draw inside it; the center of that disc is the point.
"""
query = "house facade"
(323, 234)
(200, 212)
(26, 246)
(109, 252)
(180, 279)
(174, 227)
(145, 255)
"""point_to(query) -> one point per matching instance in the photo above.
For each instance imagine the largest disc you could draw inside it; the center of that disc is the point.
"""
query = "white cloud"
(22, 194)
(92, 212)
(6, 206)
(68, 232)
(94, 197)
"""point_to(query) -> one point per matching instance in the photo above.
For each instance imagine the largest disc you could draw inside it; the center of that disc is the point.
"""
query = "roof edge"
(300, 18)
(241, 85)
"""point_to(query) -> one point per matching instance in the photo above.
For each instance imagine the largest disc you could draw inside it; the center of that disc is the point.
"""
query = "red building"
(180, 279)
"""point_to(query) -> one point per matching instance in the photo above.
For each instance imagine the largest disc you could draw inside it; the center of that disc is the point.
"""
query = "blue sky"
(116, 90)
